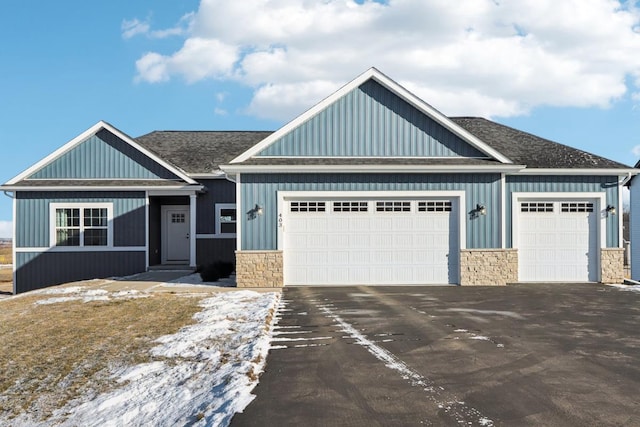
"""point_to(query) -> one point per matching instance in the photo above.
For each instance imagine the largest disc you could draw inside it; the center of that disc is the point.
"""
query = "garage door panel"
(556, 244)
(377, 243)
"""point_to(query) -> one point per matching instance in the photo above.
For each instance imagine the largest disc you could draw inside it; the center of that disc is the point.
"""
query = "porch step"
(172, 267)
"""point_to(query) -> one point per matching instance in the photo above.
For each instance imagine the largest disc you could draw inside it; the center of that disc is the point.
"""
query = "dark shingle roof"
(530, 150)
(200, 151)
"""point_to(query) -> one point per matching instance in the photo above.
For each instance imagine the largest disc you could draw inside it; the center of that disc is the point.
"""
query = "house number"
(280, 220)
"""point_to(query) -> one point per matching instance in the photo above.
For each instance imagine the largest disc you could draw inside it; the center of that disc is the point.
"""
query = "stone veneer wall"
(612, 265)
(259, 269)
(488, 267)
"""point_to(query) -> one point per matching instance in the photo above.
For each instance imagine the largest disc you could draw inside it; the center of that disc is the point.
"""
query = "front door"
(175, 238)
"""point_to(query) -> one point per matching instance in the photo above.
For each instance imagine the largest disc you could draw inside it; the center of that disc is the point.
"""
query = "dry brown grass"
(53, 353)
(6, 255)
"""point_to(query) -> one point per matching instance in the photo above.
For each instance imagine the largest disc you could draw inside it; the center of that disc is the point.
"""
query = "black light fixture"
(611, 209)
(480, 209)
(256, 211)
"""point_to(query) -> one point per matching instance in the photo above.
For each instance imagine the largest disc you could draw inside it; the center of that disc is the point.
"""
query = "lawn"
(64, 351)
(6, 255)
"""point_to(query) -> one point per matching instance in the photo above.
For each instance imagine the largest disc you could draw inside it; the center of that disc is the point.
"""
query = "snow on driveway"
(202, 375)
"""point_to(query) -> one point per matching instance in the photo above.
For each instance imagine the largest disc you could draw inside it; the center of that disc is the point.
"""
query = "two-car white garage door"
(370, 241)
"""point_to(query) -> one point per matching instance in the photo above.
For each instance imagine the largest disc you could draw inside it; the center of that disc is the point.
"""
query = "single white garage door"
(557, 241)
(370, 242)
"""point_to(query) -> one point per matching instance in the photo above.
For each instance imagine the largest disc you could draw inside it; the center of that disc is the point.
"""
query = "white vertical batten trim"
(503, 211)
(239, 214)
(619, 209)
(13, 242)
(146, 230)
(192, 230)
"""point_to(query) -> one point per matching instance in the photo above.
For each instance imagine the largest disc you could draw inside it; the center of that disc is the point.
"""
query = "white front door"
(557, 240)
(370, 242)
(175, 236)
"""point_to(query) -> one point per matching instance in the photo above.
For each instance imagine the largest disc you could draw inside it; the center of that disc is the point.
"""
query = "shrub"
(217, 270)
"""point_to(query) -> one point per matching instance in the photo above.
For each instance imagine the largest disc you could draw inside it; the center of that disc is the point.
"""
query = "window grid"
(536, 207)
(178, 218)
(350, 206)
(435, 206)
(393, 206)
(81, 227)
(307, 206)
(576, 207)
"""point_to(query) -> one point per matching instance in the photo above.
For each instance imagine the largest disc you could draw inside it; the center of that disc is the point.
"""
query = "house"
(370, 186)
(634, 224)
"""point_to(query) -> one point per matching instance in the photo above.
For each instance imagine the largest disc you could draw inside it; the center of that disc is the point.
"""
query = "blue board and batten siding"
(371, 121)
(568, 184)
(103, 156)
(44, 267)
(261, 233)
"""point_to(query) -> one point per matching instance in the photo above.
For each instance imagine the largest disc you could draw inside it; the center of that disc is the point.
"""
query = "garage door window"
(536, 207)
(435, 206)
(393, 206)
(577, 207)
(308, 206)
(350, 206)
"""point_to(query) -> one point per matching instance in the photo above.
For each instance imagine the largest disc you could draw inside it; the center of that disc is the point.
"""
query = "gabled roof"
(394, 87)
(531, 150)
(200, 152)
(89, 133)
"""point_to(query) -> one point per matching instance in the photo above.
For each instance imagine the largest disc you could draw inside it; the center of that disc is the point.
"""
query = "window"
(435, 206)
(393, 206)
(81, 224)
(350, 206)
(536, 207)
(307, 206)
(577, 207)
(226, 219)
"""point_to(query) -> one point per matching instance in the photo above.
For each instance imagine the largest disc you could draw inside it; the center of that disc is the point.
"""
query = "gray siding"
(39, 270)
(103, 156)
(218, 191)
(261, 232)
(634, 224)
(572, 184)
(371, 121)
(32, 215)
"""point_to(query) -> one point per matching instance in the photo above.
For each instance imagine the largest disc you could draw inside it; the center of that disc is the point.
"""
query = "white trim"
(81, 206)
(283, 196)
(620, 214)
(218, 226)
(83, 249)
(375, 157)
(239, 218)
(237, 168)
(146, 230)
(159, 189)
(89, 133)
(215, 175)
(192, 230)
(503, 211)
(216, 236)
(578, 171)
(14, 243)
(373, 73)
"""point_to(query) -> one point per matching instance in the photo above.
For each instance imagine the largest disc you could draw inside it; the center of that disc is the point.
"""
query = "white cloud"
(636, 151)
(6, 229)
(465, 57)
(134, 27)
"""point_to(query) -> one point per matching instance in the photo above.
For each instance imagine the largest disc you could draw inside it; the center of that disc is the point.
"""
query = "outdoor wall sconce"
(255, 212)
(611, 209)
(479, 210)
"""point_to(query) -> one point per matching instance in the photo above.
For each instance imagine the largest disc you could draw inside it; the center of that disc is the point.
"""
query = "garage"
(373, 241)
(557, 240)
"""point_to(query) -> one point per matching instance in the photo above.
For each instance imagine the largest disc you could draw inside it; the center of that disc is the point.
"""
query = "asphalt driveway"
(553, 355)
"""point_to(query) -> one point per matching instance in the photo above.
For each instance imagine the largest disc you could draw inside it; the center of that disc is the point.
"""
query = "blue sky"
(572, 77)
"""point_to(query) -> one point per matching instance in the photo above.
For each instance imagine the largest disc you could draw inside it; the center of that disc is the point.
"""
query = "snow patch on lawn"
(204, 375)
(79, 293)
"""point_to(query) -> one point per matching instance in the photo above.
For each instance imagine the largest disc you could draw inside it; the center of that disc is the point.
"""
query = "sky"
(564, 70)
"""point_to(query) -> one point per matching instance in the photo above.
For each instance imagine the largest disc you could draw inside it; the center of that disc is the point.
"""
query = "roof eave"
(231, 169)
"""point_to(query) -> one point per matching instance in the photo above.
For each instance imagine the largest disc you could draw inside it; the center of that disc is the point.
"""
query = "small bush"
(217, 270)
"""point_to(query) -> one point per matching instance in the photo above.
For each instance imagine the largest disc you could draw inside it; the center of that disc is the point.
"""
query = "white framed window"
(81, 224)
(226, 219)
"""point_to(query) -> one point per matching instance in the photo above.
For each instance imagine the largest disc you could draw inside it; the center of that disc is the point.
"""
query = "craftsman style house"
(370, 186)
